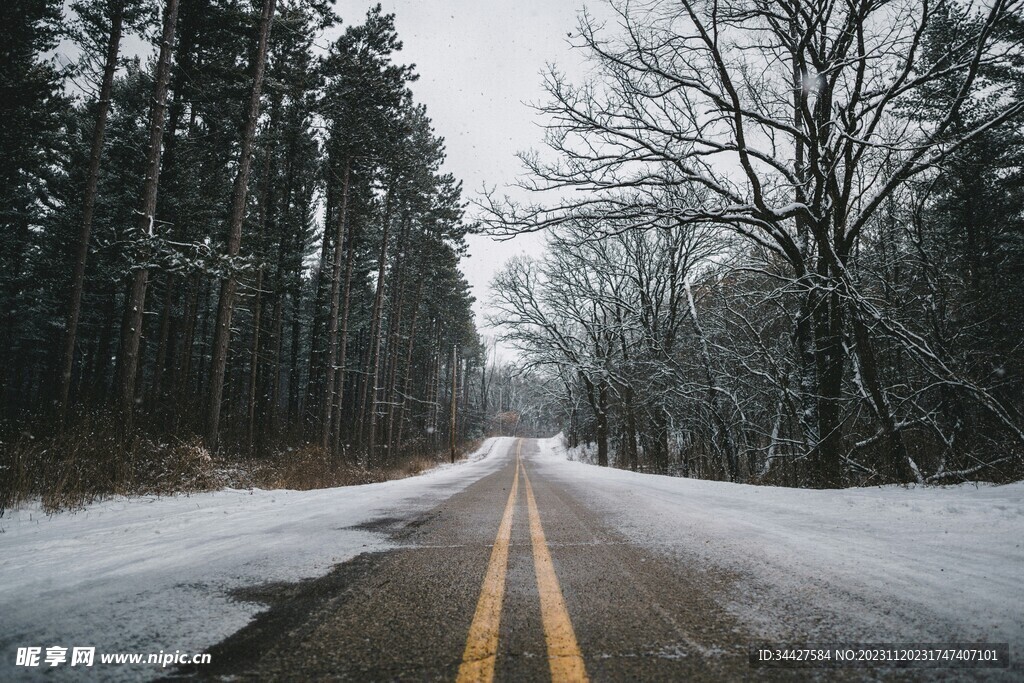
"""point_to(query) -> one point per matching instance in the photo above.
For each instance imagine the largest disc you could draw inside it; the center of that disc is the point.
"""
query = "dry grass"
(308, 467)
(418, 463)
(91, 461)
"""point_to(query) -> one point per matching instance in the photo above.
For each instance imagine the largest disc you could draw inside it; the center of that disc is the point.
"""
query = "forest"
(784, 245)
(223, 237)
(785, 242)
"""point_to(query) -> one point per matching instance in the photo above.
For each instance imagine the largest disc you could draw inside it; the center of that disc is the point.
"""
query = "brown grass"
(308, 467)
(91, 461)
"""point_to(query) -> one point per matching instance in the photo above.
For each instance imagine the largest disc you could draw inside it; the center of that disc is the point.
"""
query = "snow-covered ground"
(886, 564)
(871, 565)
(153, 574)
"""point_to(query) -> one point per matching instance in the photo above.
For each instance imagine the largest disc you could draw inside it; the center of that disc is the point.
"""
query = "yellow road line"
(564, 656)
(482, 642)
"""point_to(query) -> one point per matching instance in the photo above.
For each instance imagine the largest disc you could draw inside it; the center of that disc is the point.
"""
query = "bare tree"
(790, 123)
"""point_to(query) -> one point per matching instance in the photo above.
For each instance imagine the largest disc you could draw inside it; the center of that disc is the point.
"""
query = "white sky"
(480, 64)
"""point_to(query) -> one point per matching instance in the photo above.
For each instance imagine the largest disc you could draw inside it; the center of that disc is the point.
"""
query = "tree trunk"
(273, 395)
(829, 362)
(294, 396)
(328, 400)
(180, 86)
(188, 337)
(89, 205)
(378, 309)
(451, 428)
(202, 362)
(316, 351)
(601, 414)
(898, 460)
(98, 376)
(631, 449)
(435, 405)
(131, 333)
(339, 394)
(266, 209)
(163, 341)
(222, 332)
(730, 458)
(254, 364)
(408, 363)
(394, 327)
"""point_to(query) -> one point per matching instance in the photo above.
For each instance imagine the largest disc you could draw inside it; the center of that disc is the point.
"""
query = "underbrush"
(92, 461)
(70, 469)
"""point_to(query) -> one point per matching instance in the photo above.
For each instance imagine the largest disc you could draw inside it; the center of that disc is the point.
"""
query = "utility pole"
(455, 376)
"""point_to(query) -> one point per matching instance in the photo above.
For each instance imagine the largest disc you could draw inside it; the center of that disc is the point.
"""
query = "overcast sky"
(480, 63)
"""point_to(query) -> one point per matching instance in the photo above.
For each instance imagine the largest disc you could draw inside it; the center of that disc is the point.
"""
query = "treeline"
(244, 234)
(793, 246)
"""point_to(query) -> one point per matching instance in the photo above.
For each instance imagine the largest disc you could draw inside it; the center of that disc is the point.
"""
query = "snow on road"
(895, 564)
(153, 574)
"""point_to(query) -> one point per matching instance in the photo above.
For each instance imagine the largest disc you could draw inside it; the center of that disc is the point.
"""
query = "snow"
(153, 574)
(896, 564)
(886, 564)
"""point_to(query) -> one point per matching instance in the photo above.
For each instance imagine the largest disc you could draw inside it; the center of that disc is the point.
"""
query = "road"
(514, 579)
(521, 577)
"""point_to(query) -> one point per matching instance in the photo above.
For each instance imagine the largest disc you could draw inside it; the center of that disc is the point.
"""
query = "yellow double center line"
(564, 657)
(482, 643)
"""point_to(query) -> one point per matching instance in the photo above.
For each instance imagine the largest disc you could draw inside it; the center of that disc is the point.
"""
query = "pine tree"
(101, 24)
(238, 207)
(32, 109)
(363, 93)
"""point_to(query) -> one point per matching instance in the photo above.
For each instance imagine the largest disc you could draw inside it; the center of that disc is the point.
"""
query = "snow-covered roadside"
(150, 574)
(873, 564)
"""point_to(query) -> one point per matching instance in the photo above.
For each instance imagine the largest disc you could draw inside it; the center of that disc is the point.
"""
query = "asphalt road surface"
(513, 579)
